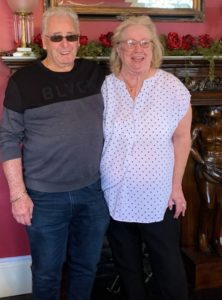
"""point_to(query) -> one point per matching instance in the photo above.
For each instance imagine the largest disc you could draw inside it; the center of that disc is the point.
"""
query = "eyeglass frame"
(135, 43)
(61, 38)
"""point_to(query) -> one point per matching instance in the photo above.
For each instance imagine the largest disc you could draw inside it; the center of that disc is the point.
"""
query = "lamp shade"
(25, 6)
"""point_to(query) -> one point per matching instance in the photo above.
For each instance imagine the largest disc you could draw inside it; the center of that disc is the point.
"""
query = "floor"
(111, 292)
(107, 284)
(212, 295)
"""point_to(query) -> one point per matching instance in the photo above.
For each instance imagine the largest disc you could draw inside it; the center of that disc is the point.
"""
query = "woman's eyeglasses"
(131, 44)
(58, 38)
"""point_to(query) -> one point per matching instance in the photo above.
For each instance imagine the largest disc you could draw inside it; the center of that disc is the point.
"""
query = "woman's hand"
(177, 199)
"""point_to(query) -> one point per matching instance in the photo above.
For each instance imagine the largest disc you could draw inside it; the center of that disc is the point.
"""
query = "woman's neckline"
(149, 77)
(135, 87)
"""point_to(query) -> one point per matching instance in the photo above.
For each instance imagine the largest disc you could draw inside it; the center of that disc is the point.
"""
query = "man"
(51, 143)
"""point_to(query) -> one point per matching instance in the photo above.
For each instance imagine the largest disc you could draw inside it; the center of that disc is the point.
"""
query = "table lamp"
(23, 25)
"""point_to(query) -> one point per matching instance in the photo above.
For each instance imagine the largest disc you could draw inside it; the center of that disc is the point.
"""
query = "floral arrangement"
(173, 45)
(189, 45)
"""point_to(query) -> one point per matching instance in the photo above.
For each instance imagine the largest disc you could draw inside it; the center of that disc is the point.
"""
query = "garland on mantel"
(173, 45)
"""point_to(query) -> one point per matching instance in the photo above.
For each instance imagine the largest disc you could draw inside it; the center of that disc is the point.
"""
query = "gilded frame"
(196, 14)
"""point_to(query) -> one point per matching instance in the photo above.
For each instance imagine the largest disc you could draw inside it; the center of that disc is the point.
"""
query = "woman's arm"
(182, 144)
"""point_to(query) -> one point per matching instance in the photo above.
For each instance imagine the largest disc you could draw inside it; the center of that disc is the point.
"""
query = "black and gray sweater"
(53, 121)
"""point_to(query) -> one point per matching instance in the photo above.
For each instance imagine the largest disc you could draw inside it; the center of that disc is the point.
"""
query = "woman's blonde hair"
(59, 11)
(115, 61)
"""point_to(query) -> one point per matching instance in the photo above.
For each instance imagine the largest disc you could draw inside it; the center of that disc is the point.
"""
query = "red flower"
(188, 42)
(83, 40)
(174, 41)
(38, 40)
(105, 39)
(205, 41)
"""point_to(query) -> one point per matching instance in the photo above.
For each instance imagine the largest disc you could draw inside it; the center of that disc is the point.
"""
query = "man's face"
(60, 55)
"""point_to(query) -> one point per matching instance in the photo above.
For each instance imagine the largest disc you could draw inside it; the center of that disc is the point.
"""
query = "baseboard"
(15, 276)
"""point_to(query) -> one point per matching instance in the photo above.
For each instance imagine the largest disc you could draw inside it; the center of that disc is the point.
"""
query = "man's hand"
(22, 210)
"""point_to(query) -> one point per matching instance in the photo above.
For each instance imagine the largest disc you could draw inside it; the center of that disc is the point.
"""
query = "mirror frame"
(94, 12)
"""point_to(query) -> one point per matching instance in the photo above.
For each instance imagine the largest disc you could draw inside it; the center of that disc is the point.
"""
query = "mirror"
(177, 10)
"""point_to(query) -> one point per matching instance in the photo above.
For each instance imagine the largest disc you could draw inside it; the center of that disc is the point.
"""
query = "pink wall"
(13, 241)
(211, 25)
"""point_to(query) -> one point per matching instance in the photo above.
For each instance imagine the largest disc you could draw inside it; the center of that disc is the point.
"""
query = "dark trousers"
(162, 242)
(72, 225)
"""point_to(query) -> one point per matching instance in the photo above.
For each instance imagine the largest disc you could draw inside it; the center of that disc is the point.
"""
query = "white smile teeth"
(138, 58)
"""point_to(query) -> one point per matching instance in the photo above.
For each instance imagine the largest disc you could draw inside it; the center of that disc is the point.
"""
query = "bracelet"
(19, 196)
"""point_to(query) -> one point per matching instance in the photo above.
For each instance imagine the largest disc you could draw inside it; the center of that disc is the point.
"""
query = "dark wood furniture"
(203, 271)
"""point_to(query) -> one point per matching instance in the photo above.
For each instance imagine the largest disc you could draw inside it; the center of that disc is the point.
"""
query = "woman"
(207, 152)
(147, 120)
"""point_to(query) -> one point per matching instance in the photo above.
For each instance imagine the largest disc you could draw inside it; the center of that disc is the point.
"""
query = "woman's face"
(135, 49)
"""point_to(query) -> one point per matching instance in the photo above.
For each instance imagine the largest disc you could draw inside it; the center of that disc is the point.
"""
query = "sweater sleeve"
(13, 96)
(11, 134)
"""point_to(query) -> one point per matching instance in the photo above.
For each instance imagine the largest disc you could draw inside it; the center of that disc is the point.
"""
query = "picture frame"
(120, 9)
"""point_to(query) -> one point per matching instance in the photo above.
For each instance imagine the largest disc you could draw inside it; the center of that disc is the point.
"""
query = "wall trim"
(15, 276)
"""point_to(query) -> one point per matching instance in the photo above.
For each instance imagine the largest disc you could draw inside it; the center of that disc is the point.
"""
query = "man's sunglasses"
(59, 38)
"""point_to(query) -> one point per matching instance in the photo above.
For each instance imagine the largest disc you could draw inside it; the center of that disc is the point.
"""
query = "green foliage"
(39, 51)
(93, 49)
(210, 54)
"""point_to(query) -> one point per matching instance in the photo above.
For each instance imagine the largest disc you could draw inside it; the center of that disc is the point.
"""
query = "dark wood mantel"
(195, 74)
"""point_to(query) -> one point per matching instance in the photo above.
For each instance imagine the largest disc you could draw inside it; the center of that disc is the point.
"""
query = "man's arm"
(182, 144)
(22, 205)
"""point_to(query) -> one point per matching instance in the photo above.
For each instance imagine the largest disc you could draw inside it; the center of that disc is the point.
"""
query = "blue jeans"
(66, 226)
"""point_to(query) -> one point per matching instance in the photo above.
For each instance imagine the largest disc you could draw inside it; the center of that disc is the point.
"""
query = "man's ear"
(43, 42)
(78, 44)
